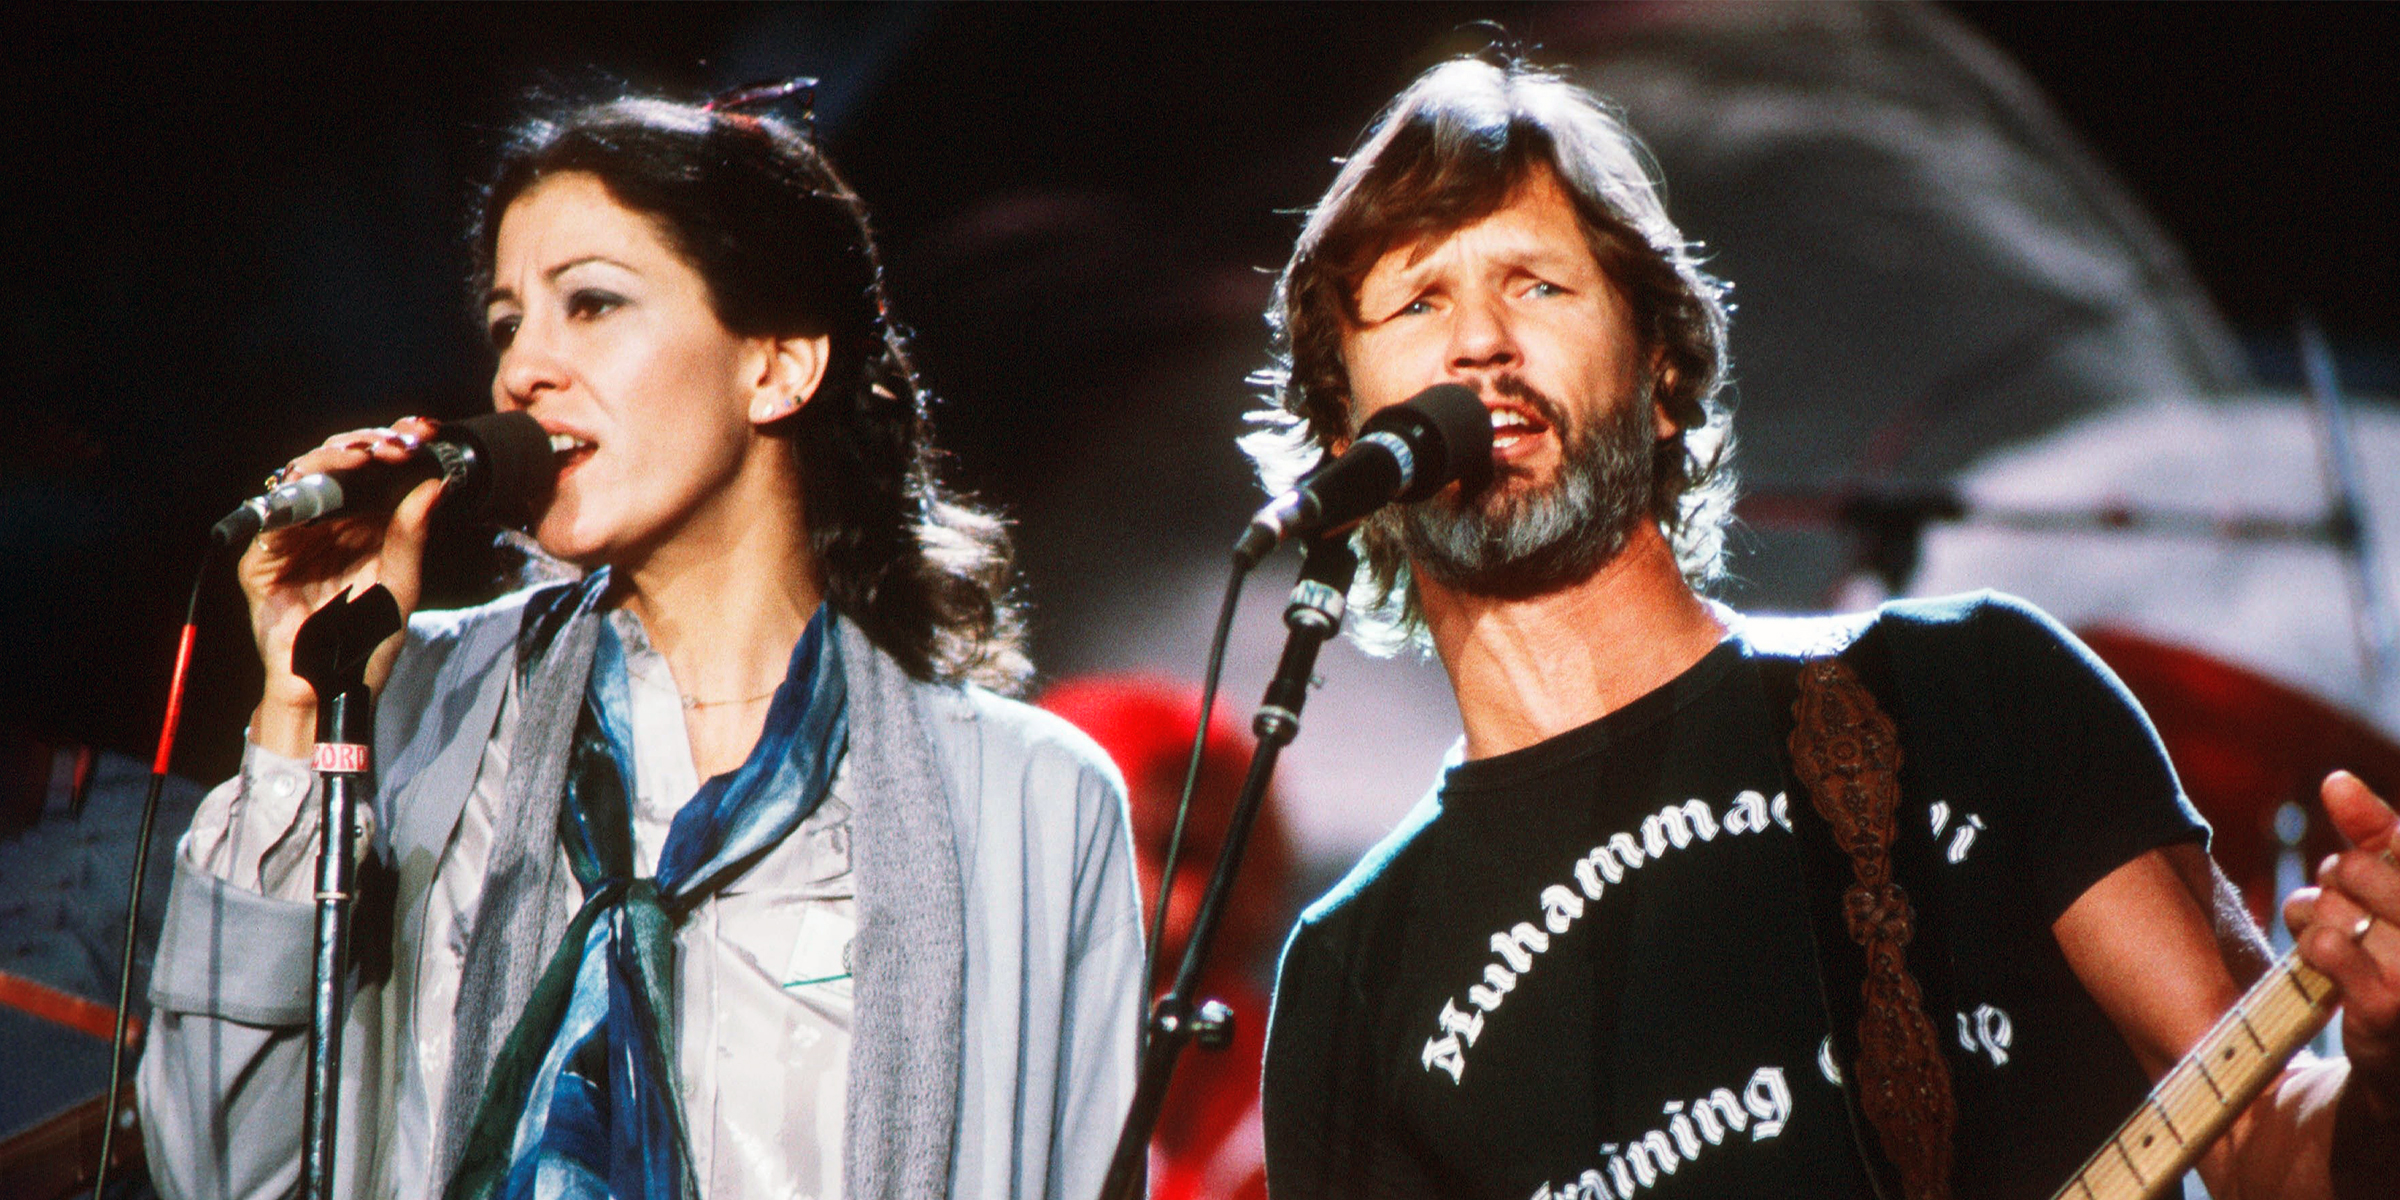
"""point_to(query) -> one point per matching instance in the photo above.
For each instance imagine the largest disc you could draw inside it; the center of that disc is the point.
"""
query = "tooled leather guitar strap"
(1846, 756)
(1846, 753)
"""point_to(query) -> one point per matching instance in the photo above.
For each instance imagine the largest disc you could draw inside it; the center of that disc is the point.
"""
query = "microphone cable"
(1191, 781)
(141, 866)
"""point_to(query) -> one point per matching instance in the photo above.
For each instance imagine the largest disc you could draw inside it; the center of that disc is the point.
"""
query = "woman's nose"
(526, 371)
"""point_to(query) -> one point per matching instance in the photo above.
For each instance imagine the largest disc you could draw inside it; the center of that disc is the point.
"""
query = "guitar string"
(2288, 1014)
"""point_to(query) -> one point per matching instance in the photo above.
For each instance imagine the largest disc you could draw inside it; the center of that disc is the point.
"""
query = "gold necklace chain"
(692, 702)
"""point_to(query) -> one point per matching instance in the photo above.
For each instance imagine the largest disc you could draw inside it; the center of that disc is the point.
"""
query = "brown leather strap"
(1846, 752)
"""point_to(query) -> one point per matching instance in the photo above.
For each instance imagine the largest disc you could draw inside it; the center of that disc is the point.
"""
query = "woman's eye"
(1415, 308)
(587, 303)
(1545, 288)
(503, 331)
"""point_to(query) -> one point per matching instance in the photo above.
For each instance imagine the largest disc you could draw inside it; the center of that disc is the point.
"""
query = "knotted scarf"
(582, 1102)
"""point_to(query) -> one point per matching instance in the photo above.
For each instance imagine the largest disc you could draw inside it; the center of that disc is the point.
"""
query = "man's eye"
(587, 303)
(1415, 308)
(1545, 288)
(503, 331)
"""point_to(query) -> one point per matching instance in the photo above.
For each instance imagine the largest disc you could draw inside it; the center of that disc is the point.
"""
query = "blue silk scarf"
(583, 1102)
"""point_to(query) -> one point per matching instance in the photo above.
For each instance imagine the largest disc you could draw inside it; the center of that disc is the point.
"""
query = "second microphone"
(1403, 453)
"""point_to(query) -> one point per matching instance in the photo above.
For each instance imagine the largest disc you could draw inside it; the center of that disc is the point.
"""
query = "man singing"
(1712, 905)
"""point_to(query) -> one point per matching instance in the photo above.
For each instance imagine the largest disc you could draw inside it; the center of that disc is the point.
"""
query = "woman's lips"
(569, 451)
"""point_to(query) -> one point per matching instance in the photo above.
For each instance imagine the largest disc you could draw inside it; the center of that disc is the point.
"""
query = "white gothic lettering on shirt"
(1989, 1031)
(1964, 839)
(1691, 1128)
(1519, 947)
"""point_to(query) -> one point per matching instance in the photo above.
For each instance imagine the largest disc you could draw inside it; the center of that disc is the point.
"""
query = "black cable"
(141, 870)
(1191, 779)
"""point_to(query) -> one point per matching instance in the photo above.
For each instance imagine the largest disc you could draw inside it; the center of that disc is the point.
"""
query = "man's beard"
(1522, 543)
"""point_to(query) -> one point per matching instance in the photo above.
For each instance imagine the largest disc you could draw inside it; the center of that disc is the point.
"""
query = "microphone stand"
(331, 653)
(2376, 627)
(1313, 616)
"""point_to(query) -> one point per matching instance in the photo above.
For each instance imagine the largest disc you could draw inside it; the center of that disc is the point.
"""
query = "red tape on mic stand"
(115, 1098)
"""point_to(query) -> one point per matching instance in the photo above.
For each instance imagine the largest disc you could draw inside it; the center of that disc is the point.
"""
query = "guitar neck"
(2210, 1087)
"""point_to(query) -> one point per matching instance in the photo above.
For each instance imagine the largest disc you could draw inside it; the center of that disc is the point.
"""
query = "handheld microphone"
(1406, 452)
(495, 466)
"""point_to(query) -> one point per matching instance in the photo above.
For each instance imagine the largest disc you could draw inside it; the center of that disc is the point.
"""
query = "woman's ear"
(790, 372)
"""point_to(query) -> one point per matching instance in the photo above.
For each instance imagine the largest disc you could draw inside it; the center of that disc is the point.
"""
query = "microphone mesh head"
(1452, 434)
(516, 467)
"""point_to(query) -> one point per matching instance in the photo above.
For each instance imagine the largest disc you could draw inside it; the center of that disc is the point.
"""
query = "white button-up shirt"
(762, 973)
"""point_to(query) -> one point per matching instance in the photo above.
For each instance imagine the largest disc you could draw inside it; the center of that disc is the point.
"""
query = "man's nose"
(1480, 335)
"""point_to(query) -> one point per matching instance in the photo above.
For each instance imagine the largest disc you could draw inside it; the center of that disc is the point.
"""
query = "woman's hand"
(290, 573)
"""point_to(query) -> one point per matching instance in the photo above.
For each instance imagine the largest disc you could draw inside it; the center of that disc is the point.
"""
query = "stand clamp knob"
(1212, 1026)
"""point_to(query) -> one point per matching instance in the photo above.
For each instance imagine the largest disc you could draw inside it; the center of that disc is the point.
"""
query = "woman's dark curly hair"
(1452, 149)
(783, 245)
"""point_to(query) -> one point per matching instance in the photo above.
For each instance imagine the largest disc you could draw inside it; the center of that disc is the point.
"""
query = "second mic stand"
(331, 652)
(1313, 616)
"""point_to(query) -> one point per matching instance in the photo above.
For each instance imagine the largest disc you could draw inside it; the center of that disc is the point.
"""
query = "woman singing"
(723, 871)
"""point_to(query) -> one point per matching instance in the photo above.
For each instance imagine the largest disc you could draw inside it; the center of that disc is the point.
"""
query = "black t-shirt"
(1584, 969)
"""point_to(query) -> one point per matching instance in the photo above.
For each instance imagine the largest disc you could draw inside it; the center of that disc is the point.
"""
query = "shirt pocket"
(793, 913)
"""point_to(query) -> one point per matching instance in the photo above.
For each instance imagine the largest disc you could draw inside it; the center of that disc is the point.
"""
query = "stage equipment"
(116, 1102)
(2246, 750)
(1314, 614)
(331, 653)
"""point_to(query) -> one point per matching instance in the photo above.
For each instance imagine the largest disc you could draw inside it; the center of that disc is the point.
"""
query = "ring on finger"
(2358, 932)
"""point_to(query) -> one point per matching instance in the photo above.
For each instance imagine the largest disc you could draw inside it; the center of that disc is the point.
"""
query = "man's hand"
(2348, 926)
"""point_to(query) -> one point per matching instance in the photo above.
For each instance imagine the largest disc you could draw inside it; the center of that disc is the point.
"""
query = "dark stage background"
(236, 230)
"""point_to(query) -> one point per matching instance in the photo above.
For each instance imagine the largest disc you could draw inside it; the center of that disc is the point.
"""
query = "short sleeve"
(2094, 780)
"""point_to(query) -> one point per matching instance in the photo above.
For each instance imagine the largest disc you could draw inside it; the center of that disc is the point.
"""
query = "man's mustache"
(1552, 413)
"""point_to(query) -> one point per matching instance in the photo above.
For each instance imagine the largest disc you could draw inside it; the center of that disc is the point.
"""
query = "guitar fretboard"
(2210, 1087)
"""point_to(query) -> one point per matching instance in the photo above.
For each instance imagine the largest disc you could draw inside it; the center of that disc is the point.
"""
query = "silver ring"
(2358, 932)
